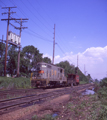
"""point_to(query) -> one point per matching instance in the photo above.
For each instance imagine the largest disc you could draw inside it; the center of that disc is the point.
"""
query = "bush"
(10, 83)
(103, 82)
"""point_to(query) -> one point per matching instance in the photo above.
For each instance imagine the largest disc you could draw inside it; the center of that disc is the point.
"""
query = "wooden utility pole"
(8, 21)
(54, 45)
(77, 64)
(77, 60)
(20, 28)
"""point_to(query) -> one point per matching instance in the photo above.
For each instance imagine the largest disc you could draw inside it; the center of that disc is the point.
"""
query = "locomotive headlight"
(41, 71)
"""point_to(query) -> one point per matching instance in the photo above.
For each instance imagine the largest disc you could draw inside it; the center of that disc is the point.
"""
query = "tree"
(30, 56)
(47, 60)
(71, 69)
(12, 60)
(67, 67)
(2, 57)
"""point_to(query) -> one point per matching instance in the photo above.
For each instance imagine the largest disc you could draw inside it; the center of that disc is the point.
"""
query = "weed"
(48, 117)
(70, 97)
(83, 103)
(14, 82)
(69, 105)
(35, 117)
(102, 113)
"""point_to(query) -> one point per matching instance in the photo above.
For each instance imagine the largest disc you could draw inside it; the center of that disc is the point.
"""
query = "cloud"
(94, 59)
(47, 55)
(96, 52)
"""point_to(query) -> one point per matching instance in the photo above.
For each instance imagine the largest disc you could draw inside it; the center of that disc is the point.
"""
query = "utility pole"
(20, 28)
(54, 45)
(77, 64)
(84, 68)
(8, 21)
(77, 60)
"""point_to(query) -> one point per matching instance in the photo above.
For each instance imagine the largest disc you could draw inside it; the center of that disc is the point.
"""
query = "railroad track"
(19, 102)
(4, 93)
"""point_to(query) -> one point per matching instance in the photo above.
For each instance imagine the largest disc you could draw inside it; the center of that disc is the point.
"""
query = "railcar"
(73, 79)
(47, 75)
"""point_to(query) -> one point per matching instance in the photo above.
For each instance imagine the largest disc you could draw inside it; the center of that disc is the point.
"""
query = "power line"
(31, 20)
(53, 22)
(38, 37)
(60, 48)
(38, 12)
(35, 16)
(3, 3)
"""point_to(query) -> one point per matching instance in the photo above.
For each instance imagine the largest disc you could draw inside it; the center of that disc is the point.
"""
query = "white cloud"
(96, 52)
(47, 55)
(94, 59)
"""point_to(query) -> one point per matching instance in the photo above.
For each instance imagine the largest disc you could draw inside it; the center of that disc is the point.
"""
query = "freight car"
(47, 75)
(73, 79)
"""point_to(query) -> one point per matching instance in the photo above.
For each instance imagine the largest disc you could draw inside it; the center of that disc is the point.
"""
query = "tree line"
(29, 57)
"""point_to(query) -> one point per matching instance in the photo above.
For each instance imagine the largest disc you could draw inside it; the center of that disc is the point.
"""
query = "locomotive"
(47, 75)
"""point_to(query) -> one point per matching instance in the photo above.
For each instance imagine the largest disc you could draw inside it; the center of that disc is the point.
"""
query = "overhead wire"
(35, 16)
(19, 8)
(38, 12)
(65, 46)
(36, 34)
(39, 36)
(3, 3)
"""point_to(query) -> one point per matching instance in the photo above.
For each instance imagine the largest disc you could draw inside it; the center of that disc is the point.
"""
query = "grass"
(46, 117)
(11, 83)
(83, 82)
(89, 107)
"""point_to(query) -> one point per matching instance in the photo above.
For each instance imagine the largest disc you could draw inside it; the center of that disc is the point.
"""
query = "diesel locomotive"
(45, 75)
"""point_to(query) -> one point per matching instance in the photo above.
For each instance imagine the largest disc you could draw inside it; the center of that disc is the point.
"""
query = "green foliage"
(48, 117)
(103, 82)
(71, 69)
(35, 117)
(103, 113)
(8, 83)
(67, 67)
(102, 92)
(30, 56)
(2, 57)
(12, 60)
(47, 60)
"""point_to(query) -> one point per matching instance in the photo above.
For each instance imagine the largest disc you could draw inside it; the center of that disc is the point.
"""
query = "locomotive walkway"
(20, 102)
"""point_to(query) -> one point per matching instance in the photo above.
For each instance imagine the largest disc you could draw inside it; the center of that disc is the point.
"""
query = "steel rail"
(41, 97)
(32, 95)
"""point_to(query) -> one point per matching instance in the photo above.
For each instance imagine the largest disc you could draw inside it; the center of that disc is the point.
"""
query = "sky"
(80, 30)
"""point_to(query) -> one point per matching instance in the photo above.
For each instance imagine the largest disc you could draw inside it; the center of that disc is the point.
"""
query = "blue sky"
(81, 28)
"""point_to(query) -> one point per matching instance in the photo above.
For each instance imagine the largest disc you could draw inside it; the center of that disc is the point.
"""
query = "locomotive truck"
(48, 75)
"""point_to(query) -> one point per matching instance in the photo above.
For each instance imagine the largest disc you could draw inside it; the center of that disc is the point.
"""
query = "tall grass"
(11, 83)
